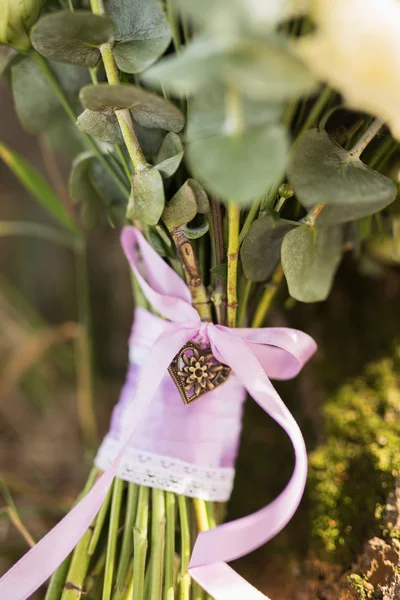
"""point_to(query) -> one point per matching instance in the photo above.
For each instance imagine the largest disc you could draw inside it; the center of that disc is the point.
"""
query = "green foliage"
(170, 155)
(261, 247)
(322, 171)
(39, 109)
(82, 190)
(72, 37)
(353, 472)
(238, 166)
(142, 33)
(101, 125)
(147, 197)
(182, 208)
(310, 258)
(148, 109)
(259, 69)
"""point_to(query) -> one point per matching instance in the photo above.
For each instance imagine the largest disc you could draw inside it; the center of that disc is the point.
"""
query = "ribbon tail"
(37, 565)
(232, 540)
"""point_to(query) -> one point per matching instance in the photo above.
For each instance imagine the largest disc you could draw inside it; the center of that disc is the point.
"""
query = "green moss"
(361, 587)
(352, 473)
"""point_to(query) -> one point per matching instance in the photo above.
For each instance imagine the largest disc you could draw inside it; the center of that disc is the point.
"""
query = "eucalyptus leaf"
(101, 125)
(113, 198)
(142, 33)
(230, 16)
(40, 108)
(148, 109)
(208, 114)
(260, 69)
(170, 155)
(194, 233)
(203, 203)
(239, 167)
(37, 186)
(147, 197)
(82, 191)
(269, 69)
(322, 171)
(72, 37)
(261, 247)
(310, 258)
(182, 207)
(104, 127)
(200, 63)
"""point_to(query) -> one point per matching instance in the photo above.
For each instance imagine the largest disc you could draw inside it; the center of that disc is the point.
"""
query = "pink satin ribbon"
(284, 350)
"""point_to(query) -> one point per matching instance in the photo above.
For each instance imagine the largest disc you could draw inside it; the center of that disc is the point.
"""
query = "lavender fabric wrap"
(189, 450)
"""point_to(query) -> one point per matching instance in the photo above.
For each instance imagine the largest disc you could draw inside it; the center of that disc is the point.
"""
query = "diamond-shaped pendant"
(196, 372)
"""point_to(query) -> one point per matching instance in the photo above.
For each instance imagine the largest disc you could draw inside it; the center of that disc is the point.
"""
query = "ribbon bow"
(253, 355)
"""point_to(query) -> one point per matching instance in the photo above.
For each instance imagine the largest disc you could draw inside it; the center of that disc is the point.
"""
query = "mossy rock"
(353, 472)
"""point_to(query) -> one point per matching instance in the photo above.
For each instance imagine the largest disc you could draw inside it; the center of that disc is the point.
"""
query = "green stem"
(93, 579)
(123, 161)
(169, 583)
(242, 315)
(65, 103)
(127, 538)
(251, 215)
(267, 298)
(200, 511)
(323, 99)
(312, 216)
(123, 115)
(84, 364)
(57, 581)
(157, 544)
(233, 255)
(174, 25)
(381, 152)
(140, 543)
(366, 138)
(74, 585)
(99, 522)
(185, 549)
(112, 537)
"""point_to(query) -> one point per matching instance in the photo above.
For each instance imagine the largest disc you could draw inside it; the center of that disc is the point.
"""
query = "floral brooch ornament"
(196, 372)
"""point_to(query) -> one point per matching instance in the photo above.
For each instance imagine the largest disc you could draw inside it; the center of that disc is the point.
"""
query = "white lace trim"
(169, 474)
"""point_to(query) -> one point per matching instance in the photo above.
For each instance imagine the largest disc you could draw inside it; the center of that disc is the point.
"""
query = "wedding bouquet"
(239, 145)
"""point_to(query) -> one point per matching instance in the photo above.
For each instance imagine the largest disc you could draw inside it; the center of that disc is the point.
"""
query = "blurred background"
(47, 443)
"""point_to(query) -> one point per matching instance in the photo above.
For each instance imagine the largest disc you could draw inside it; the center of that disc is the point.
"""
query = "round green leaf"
(72, 37)
(310, 258)
(40, 108)
(239, 167)
(82, 191)
(148, 109)
(142, 35)
(100, 125)
(170, 155)
(182, 207)
(203, 204)
(147, 197)
(208, 113)
(261, 247)
(269, 70)
(261, 69)
(320, 170)
(200, 63)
